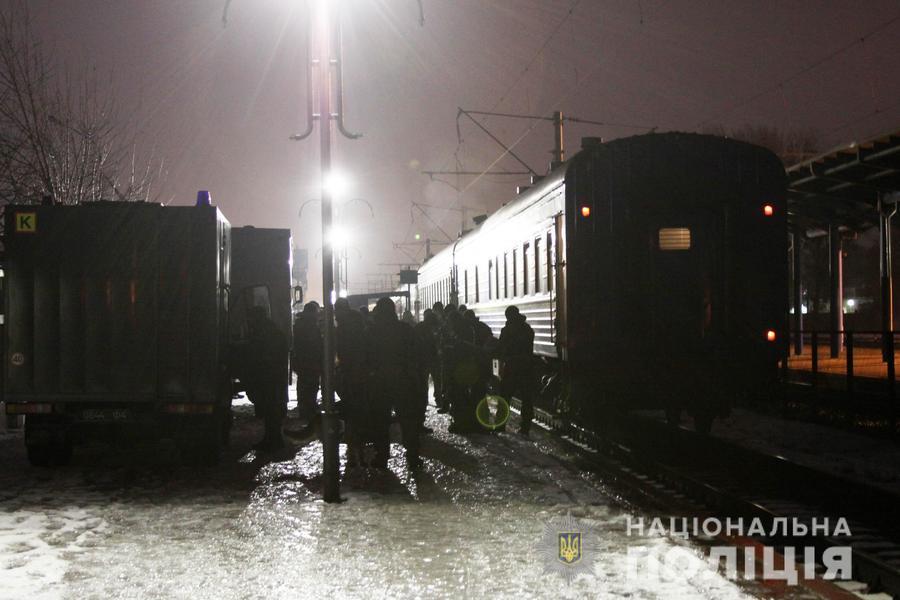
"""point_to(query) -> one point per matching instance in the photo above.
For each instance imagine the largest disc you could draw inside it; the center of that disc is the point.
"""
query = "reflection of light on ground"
(465, 526)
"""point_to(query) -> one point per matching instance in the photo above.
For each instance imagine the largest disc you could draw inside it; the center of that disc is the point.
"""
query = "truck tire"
(201, 444)
(49, 455)
(703, 422)
(47, 442)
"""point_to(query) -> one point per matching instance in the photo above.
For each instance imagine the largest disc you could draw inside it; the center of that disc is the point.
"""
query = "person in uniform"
(266, 374)
(437, 369)
(392, 375)
(350, 376)
(425, 359)
(516, 352)
(463, 369)
(308, 360)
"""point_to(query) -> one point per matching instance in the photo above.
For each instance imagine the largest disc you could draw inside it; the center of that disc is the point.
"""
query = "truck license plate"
(105, 414)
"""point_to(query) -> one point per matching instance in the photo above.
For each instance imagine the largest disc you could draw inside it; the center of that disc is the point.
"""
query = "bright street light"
(339, 237)
(336, 185)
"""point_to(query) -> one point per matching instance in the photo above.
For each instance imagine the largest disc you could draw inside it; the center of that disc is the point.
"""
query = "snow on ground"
(134, 524)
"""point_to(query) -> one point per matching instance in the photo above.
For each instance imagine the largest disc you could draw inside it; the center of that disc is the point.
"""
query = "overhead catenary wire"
(803, 71)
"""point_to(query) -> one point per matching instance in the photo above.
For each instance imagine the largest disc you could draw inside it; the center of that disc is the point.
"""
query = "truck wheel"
(200, 446)
(201, 453)
(673, 416)
(47, 441)
(49, 455)
(703, 422)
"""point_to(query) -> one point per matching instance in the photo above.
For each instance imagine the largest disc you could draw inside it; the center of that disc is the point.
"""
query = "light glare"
(336, 185)
(338, 238)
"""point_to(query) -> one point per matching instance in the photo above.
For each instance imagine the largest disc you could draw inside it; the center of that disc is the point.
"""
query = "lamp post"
(325, 62)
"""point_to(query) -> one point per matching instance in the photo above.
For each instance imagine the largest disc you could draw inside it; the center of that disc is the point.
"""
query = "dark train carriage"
(652, 268)
(677, 272)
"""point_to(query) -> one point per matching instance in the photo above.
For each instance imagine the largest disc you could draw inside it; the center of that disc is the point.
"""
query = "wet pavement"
(134, 523)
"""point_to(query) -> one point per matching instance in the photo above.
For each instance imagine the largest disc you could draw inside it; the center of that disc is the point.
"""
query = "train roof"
(557, 176)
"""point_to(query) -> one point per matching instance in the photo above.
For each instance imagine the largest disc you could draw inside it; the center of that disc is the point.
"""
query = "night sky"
(218, 103)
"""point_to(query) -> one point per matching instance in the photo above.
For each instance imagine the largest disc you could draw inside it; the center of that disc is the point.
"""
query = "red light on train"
(585, 211)
(768, 210)
(770, 335)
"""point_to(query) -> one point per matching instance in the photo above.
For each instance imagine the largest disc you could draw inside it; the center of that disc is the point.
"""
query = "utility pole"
(559, 152)
(326, 64)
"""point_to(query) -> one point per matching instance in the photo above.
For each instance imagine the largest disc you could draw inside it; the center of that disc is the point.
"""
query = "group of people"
(461, 365)
(382, 369)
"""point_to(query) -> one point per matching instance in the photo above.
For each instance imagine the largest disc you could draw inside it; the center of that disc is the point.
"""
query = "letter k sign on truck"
(26, 222)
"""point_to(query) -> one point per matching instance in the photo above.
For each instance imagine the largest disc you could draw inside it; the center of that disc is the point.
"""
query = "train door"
(558, 288)
(682, 281)
(684, 297)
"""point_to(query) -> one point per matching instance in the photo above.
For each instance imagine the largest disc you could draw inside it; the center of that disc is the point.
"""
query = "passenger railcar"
(652, 269)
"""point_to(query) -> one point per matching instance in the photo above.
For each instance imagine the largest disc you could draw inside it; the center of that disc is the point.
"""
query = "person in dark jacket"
(425, 359)
(350, 376)
(437, 369)
(462, 365)
(266, 374)
(393, 377)
(307, 360)
(516, 352)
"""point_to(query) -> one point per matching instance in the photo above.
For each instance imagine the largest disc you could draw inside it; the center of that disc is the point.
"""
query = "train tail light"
(771, 336)
(768, 210)
(585, 211)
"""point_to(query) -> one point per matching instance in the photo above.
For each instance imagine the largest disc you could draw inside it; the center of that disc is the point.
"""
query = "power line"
(802, 71)
(538, 53)
(547, 40)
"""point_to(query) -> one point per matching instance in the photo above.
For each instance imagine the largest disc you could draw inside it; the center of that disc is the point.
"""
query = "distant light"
(204, 198)
(585, 211)
(768, 210)
(336, 184)
(418, 236)
(851, 303)
(342, 293)
(770, 335)
(333, 296)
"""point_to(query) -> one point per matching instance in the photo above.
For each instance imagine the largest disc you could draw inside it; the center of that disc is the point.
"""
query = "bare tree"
(791, 146)
(60, 135)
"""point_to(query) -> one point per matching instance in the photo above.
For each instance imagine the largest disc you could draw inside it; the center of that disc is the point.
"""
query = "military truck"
(119, 323)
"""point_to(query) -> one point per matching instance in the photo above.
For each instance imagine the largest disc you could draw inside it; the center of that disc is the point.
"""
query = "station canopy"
(842, 187)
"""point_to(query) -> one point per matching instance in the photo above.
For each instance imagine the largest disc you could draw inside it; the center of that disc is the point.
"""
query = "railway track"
(681, 472)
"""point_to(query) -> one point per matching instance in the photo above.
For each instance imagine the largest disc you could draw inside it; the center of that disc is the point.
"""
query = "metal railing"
(845, 359)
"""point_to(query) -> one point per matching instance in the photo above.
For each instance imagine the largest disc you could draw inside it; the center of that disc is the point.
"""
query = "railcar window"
(515, 274)
(525, 269)
(537, 265)
(496, 278)
(477, 299)
(549, 269)
(505, 277)
(490, 272)
(674, 238)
